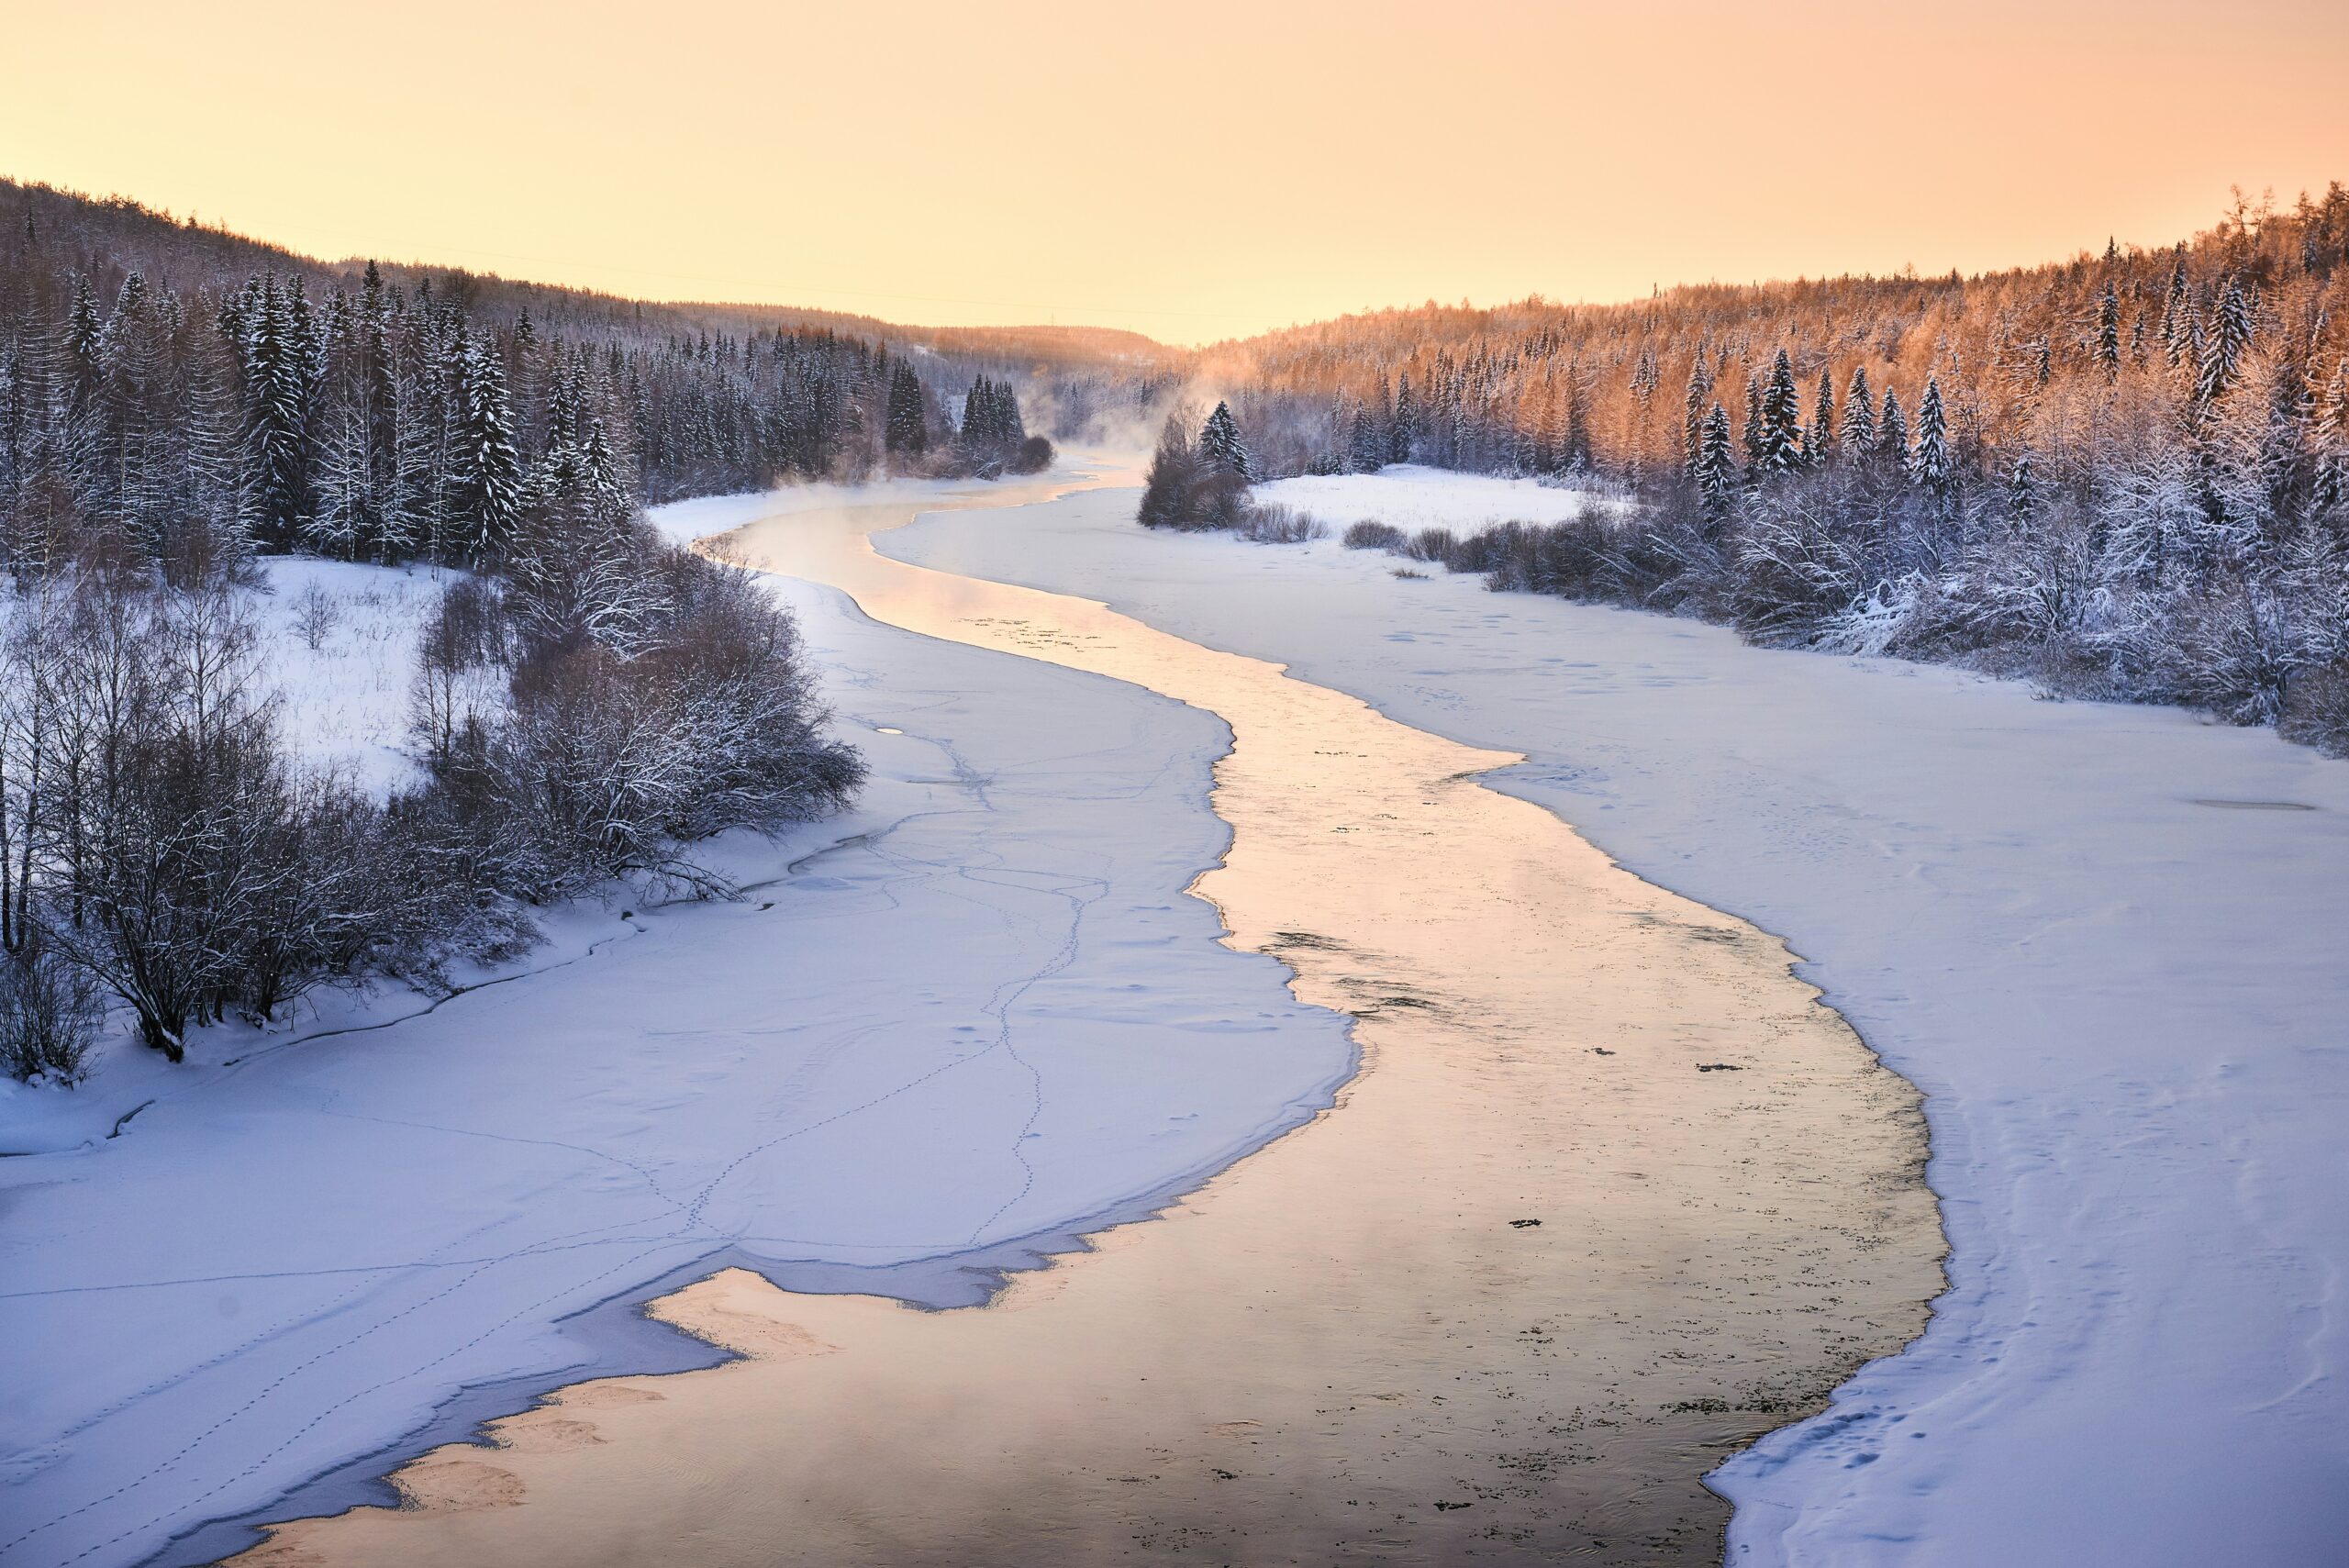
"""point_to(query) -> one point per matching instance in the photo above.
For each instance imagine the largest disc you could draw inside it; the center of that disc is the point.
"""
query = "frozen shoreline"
(888, 1072)
(2125, 1008)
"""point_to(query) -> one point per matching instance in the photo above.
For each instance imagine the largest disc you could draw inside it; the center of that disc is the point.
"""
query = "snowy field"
(346, 701)
(2106, 941)
(1411, 497)
(943, 1034)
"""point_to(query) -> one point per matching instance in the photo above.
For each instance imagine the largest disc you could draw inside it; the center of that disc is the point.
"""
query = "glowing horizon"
(1191, 178)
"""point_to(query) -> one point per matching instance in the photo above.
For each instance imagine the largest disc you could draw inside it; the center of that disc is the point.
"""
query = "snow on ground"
(2106, 941)
(1412, 497)
(346, 701)
(949, 1030)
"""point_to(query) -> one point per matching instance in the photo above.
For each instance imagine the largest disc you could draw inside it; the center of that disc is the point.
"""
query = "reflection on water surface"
(1611, 1196)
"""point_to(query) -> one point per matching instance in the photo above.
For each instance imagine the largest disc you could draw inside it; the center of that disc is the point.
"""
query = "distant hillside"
(1534, 386)
(2126, 473)
(106, 238)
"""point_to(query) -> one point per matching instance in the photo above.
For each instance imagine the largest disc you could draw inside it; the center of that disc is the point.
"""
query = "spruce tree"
(84, 347)
(2108, 332)
(1366, 444)
(1819, 441)
(1777, 446)
(2331, 441)
(1930, 464)
(277, 414)
(216, 532)
(2024, 500)
(1856, 434)
(1892, 430)
(486, 492)
(1715, 472)
(1700, 387)
(907, 427)
(1219, 443)
(1401, 436)
(2223, 348)
(1751, 433)
(2177, 313)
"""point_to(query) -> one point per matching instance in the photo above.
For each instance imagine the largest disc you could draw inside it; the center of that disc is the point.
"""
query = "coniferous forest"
(2126, 475)
(177, 403)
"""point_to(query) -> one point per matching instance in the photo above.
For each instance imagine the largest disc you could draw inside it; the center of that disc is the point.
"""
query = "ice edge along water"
(2125, 1008)
(1016, 808)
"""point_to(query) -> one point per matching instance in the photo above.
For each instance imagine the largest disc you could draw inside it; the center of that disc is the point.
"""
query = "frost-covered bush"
(1798, 574)
(1280, 525)
(48, 1015)
(1371, 534)
(1436, 544)
(585, 764)
(2229, 649)
(2316, 708)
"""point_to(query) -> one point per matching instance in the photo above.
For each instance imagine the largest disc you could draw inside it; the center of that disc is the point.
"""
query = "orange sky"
(1193, 170)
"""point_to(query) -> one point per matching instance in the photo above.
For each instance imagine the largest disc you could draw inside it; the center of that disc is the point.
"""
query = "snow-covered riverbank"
(974, 1016)
(2105, 940)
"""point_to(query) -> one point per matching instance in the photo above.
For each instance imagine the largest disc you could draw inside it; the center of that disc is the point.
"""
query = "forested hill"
(2064, 359)
(165, 383)
(106, 238)
(2127, 473)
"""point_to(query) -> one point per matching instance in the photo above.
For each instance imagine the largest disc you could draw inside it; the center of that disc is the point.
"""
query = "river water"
(1611, 1195)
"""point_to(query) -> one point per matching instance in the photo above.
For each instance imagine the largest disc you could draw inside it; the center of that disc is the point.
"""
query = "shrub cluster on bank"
(162, 851)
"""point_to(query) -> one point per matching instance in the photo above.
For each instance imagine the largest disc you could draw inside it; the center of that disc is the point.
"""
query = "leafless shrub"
(2316, 708)
(1371, 534)
(317, 615)
(1275, 523)
(48, 1015)
(1432, 544)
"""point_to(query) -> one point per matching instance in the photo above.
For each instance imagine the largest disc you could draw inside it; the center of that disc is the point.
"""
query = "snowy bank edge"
(620, 1336)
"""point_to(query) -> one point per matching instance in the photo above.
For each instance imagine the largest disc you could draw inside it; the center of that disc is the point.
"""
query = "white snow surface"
(2094, 935)
(946, 1032)
(345, 704)
(1412, 497)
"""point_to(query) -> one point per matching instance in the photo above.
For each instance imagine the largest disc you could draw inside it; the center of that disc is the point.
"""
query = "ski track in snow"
(943, 1035)
(2128, 1009)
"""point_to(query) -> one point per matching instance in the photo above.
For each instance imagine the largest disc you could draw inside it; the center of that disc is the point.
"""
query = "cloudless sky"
(1192, 170)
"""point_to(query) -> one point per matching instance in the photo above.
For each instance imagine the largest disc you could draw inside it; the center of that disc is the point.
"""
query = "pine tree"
(1403, 435)
(1220, 444)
